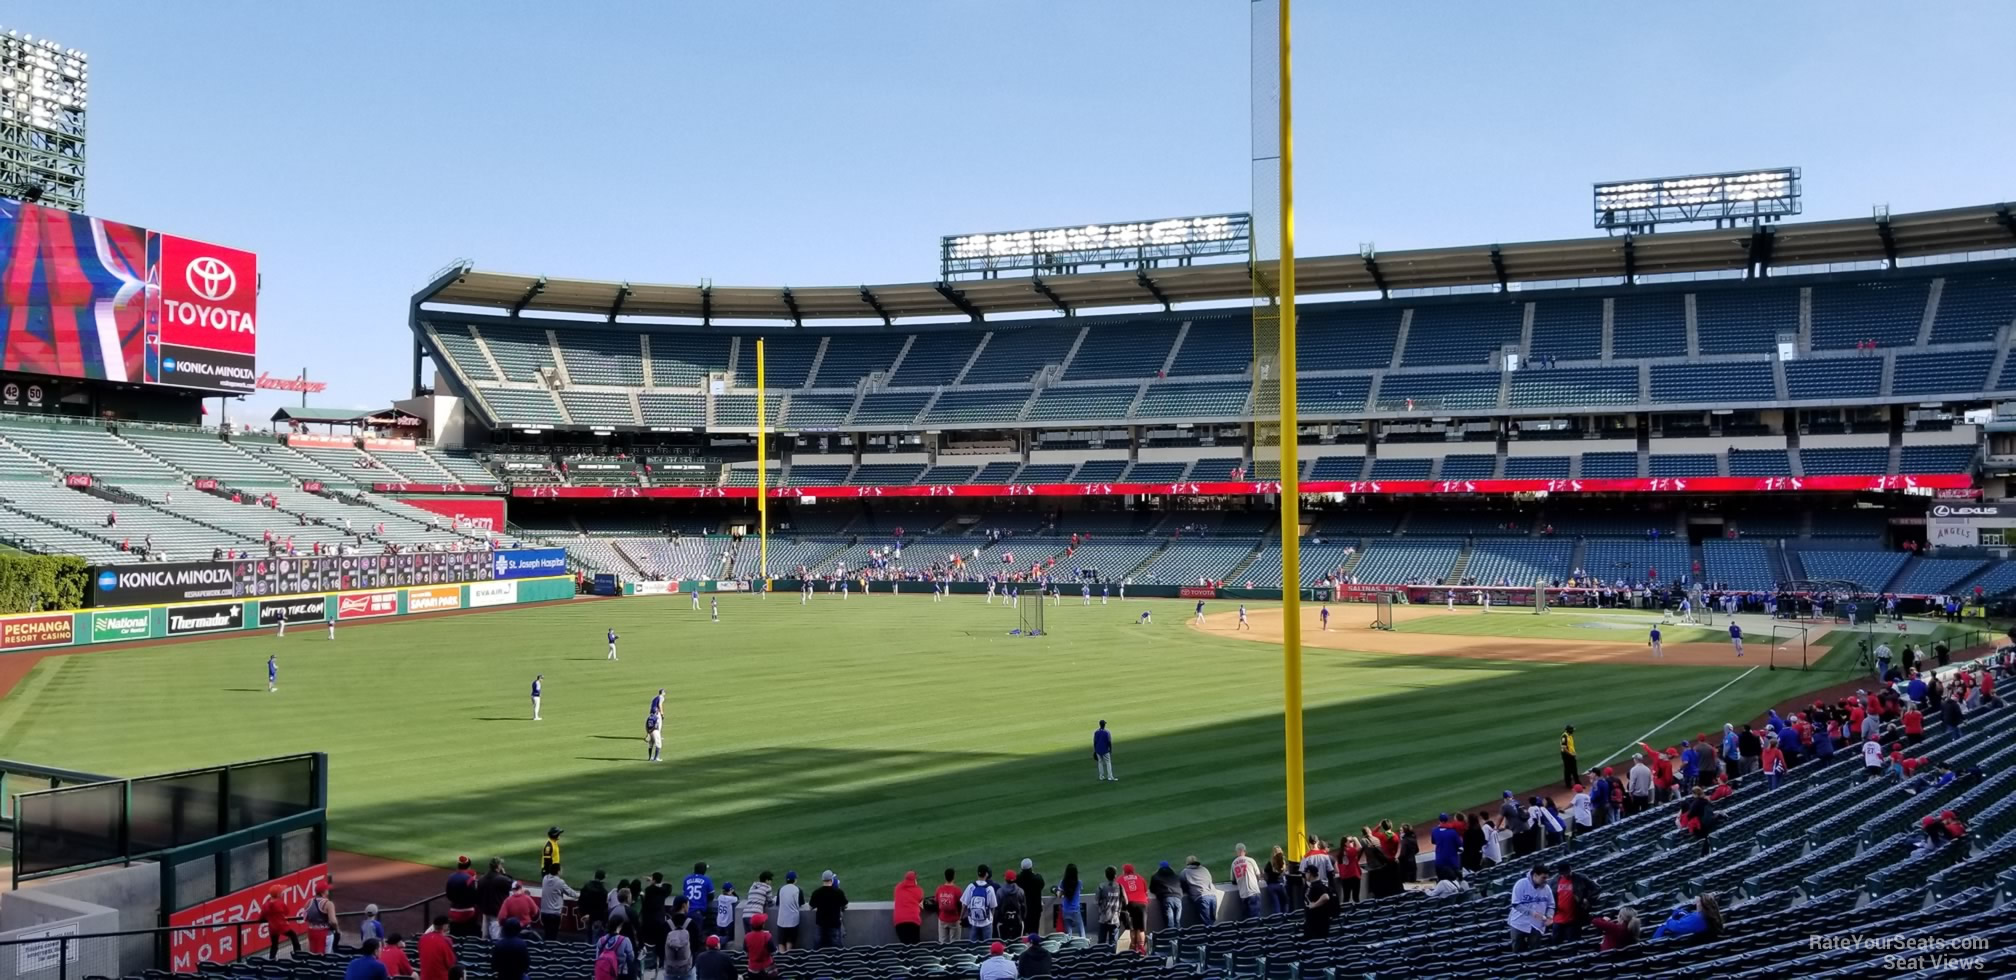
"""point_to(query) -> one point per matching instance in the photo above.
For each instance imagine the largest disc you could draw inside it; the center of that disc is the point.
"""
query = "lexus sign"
(1972, 515)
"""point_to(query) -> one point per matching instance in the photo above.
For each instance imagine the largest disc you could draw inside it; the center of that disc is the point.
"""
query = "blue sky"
(359, 146)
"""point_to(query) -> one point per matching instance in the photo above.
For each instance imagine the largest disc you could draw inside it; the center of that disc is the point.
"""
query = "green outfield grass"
(868, 736)
(1588, 625)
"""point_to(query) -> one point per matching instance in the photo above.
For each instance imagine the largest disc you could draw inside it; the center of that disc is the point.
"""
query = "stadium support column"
(762, 473)
(1273, 398)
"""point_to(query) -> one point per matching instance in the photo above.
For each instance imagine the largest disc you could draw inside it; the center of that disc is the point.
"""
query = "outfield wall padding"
(98, 627)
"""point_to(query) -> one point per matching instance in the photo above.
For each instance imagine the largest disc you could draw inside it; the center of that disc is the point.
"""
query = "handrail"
(160, 933)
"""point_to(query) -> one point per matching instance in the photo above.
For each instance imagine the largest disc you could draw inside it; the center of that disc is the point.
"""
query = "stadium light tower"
(43, 97)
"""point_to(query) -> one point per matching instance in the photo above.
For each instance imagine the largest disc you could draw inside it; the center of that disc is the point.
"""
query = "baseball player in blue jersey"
(537, 687)
(612, 643)
(272, 674)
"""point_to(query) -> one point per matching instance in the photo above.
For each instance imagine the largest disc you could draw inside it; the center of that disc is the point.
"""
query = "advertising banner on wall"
(312, 609)
(210, 617)
(365, 605)
(493, 594)
(163, 582)
(480, 513)
(528, 563)
(55, 629)
(188, 947)
(376, 445)
(202, 329)
(126, 624)
(431, 600)
(312, 440)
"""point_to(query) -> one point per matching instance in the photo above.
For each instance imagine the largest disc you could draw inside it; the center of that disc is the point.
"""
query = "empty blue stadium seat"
(1044, 473)
(853, 356)
(963, 405)
(1739, 564)
(602, 357)
(520, 351)
(1397, 560)
(787, 361)
(818, 409)
(1083, 403)
(1401, 469)
(522, 405)
(1518, 561)
(1130, 350)
(460, 347)
(1759, 462)
(662, 408)
(1834, 378)
(1935, 459)
(1574, 386)
(1155, 472)
(936, 358)
(1197, 400)
(997, 473)
(1471, 332)
(1338, 338)
(1215, 345)
(598, 407)
(1099, 471)
(1888, 312)
(1681, 464)
(1568, 329)
(1468, 467)
(1974, 308)
(1649, 325)
(1337, 468)
(1331, 397)
(1941, 372)
(739, 408)
(1742, 381)
(1612, 465)
(1536, 467)
(1745, 319)
(1936, 575)
(1015, 354)
(1845, 461)
(1468, 391)
(1999, 579)
(685, 359)
(900, 407)
(1636, 560)
(1872, 570)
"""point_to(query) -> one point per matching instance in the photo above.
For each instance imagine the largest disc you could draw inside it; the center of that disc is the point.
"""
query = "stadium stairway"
(1462, 566)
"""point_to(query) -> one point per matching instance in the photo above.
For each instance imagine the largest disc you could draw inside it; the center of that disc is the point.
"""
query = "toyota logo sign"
(211, 278)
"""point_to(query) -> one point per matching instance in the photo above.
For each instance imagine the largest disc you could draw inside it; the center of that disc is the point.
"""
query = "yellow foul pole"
(762, 475)
(1291, 490)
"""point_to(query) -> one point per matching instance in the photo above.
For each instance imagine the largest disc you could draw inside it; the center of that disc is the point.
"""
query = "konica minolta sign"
(146, 585)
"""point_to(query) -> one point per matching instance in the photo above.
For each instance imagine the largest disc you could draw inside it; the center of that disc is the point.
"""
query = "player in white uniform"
(1200, 612)
(1243, 624)
(696, 598)
(990, 592)
(1452, 600)
(1085, 594)
(1686, 610)
(1123, 590)
(1484, 599)
(332, 629)
(538, 686)
(612, 645)
(714, 608)
(1103, 590)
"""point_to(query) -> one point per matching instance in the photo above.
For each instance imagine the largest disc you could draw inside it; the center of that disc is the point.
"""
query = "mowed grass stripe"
(869, 736)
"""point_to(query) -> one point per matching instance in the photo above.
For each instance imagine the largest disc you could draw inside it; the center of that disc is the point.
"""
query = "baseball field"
(884, 733)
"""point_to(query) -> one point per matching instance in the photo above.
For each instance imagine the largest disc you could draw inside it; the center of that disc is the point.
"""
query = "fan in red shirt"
(1134, 889)
(1348, 872)
(947, 897)
(393, 955)
(273, 914)
(437, 951)
(1914, 725)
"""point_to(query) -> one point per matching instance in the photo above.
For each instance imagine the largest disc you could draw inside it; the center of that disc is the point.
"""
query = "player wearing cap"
(272, 674)
(549, 854)
(654, 736)
(612, 643)
(537, 688)
(1736, 638)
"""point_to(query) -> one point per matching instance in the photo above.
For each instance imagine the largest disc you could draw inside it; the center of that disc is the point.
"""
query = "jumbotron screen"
(83, 297)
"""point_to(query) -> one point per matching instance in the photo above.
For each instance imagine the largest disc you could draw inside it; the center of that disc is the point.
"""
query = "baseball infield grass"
(869, 736)
(1589, 625)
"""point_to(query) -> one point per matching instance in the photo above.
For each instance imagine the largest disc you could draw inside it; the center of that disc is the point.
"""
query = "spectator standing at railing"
(320, 916)
(553, 897)
(491, 891)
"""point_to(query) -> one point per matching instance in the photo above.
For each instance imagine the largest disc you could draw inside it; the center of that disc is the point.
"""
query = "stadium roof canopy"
(1883, 237)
